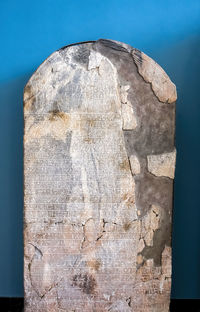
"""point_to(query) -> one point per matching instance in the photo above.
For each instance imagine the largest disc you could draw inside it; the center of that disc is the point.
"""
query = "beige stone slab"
(97, 209)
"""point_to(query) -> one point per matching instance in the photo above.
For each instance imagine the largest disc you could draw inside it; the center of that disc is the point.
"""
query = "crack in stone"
(29, 269)
(84, 233)
(38, 253)
(49, 289)
(103, 230)
(128, 300)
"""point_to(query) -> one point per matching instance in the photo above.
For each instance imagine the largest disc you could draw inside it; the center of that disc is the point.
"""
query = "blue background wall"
(168, 31)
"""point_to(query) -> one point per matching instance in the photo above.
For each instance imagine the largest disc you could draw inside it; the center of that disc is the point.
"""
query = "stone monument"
(99, 161)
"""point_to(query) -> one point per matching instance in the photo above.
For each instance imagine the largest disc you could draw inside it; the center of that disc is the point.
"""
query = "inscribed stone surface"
(99, 161)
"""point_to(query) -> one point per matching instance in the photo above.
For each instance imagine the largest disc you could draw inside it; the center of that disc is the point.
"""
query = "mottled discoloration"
(85, 282)
(97, 216)
(153, 190)
(94, 264)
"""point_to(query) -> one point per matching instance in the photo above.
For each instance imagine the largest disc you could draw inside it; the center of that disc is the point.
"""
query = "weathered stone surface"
(97, 222)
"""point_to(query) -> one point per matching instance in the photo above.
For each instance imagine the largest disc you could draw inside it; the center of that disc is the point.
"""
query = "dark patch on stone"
(85, 282)
(152, 190)
(54, 113)
(29, 267)
(160, 239)
(112, 45)
(158, 191)
(155, 131)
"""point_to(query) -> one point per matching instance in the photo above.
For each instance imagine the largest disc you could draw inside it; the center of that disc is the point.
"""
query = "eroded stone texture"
(97, 234)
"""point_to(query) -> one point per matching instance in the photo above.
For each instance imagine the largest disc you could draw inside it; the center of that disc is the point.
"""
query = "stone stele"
(99, 161)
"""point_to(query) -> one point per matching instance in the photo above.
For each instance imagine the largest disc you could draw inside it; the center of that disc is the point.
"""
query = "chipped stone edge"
(162, 86)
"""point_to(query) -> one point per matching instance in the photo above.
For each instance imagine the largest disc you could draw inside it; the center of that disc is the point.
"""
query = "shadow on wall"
(182, 63)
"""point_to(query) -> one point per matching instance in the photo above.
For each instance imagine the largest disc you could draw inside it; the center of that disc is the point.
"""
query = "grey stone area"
(99, 161)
